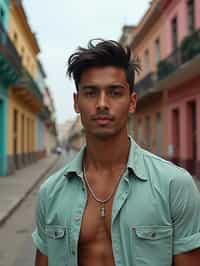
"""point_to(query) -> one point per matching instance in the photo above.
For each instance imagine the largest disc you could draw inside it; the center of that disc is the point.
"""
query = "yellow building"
(25, 98)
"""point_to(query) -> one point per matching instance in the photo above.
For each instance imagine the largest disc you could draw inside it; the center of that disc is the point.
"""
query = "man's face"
(104, 101)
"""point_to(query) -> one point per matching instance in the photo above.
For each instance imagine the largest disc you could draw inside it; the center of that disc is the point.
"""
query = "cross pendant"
(102, 211)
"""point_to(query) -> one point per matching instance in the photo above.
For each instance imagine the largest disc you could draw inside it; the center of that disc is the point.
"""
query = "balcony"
(189, 49)
(146, 85)
(10, 61)
(45, 114)
(27, 89)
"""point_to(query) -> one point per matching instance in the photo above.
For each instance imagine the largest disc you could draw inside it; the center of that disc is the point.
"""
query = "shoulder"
(54, 182)
(164, 171)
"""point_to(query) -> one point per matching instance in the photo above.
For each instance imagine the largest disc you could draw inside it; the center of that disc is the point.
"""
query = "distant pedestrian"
(115, 203)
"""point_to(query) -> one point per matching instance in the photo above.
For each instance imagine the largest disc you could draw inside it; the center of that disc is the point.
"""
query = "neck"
(105, 154)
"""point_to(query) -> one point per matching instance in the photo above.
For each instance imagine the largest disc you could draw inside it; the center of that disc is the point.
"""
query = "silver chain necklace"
(102, 202)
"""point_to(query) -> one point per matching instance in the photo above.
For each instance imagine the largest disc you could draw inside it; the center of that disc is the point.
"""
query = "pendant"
(102, 211)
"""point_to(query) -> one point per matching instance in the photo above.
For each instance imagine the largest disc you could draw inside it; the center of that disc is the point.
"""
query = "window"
(158, 134)
(28, 60)
(191, 16)
(22, 53)
(174, 33)
(2, 14)
(22, 50)
(157, 50)
(175, 152)
(146, 62)
(15, 38)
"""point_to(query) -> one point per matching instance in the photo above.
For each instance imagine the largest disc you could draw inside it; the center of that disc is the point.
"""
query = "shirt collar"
(135, 162)
(75, 166)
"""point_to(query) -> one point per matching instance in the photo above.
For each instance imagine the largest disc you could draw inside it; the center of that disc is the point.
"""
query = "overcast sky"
(62, 25)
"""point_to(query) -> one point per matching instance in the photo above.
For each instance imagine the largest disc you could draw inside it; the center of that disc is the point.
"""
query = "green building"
(10, 64)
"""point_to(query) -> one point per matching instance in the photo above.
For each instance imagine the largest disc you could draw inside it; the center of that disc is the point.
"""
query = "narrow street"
(16, 246)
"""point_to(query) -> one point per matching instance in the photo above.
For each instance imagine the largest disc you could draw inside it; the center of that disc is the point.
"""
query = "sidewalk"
(14, 188)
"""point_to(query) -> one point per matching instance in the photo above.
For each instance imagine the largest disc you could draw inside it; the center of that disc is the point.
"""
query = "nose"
(102, 101)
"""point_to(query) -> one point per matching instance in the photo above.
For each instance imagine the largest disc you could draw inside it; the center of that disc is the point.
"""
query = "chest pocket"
(56, 243)
(152, 245)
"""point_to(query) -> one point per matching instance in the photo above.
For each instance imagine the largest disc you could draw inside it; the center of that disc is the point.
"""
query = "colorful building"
(180, 77)
(150, 119)
(4, 13)
(25, 119)
(167, 40)
(51, 135)
(10, 64)
(41, 118)
(76, 136)
(25, 98)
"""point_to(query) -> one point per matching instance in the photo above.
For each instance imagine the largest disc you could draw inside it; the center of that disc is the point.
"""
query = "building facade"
(25, 100)
(180, 71)
(51, 135)
(167, 41)
(10, 63)
(4, 13)
(41, 118)
(25, 119)
(150, 119)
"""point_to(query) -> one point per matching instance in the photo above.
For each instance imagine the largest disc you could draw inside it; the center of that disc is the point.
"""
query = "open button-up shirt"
(155, 213)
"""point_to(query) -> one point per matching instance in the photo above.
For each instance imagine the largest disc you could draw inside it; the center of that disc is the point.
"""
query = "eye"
(90, 92)
(115, 92)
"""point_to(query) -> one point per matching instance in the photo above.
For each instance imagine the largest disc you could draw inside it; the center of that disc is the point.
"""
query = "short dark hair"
(102, 54)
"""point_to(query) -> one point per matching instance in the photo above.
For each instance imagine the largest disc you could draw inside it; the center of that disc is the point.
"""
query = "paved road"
(16, 247)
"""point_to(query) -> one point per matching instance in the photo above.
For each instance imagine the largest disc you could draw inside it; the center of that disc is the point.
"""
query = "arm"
(191, 258)
(40, 259)
(185, 213)
(39, 235)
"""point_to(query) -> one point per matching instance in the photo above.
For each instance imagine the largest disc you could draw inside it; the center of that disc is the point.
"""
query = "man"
(115, 203)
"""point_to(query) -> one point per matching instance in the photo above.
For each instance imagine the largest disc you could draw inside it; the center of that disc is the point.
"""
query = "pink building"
(182, 81)
(167, 40)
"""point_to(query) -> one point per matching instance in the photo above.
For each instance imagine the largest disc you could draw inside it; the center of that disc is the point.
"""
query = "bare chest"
(94, 225)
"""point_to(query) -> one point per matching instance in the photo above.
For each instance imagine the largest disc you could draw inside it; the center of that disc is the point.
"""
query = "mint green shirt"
(155, 214)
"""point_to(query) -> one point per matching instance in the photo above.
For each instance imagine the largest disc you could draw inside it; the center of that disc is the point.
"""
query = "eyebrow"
(88, 86)
(91, 86)
(115, 86)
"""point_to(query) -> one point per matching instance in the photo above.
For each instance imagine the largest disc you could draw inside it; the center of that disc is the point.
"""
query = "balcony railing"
(189, 48)
(27, 82)
(145, 85)
(11, 69)
(9, 58)
(45, 113)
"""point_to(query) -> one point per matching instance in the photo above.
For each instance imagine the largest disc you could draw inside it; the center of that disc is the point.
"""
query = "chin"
(104, 135)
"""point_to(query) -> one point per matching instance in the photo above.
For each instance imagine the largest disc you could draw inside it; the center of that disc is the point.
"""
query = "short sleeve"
(39, 236)
(185, 211)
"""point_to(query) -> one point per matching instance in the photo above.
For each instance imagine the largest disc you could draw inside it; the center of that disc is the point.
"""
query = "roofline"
(19, 7)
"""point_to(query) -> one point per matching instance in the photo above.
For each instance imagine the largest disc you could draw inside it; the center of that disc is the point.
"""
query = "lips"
(103, 120)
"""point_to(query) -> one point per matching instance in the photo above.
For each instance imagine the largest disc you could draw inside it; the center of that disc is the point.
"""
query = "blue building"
(4, 13)
(10, 64)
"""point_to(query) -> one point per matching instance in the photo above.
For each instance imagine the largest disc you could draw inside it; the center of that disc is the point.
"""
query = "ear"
(76, 107)
(133, 101)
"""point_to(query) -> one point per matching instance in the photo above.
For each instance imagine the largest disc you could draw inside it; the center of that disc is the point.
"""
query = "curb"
(27, 192)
